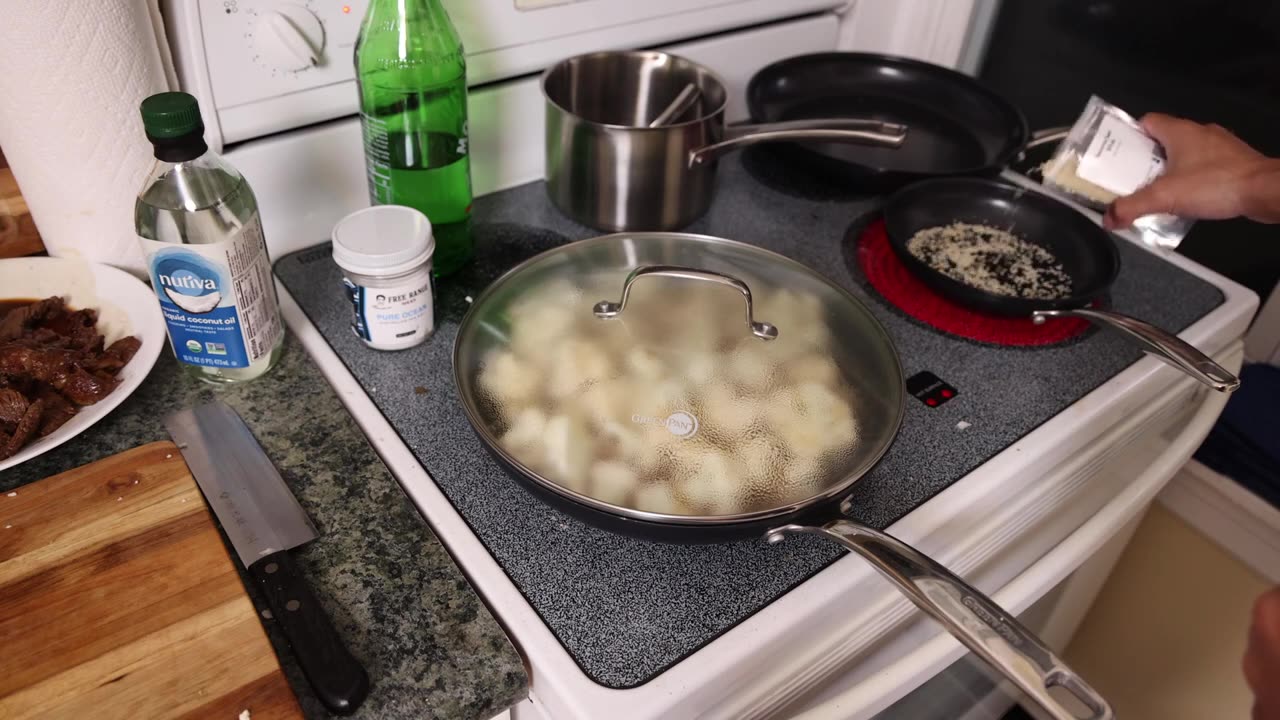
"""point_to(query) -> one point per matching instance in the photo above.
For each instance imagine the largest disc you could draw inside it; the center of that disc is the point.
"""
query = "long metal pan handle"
(1164, 345)
(608, 309)
(1038, 138)
(842, 130)
(976, 621)
(1046, 136)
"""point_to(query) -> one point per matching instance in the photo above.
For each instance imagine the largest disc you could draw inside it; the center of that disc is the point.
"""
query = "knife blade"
(264, 521)
(255, 507)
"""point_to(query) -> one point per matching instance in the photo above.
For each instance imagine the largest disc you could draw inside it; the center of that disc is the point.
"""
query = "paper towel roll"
(72, 73)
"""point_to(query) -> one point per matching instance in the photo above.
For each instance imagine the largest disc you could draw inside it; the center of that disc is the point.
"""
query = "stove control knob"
(288, 38)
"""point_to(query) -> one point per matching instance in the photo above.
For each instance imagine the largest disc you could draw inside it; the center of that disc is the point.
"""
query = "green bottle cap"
(171, 115)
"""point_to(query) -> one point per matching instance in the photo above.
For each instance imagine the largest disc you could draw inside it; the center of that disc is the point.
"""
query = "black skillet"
(1086, 251)
(958, 125)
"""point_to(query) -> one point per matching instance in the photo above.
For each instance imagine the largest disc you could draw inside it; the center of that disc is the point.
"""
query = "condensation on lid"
(383, 240)
(673, 409)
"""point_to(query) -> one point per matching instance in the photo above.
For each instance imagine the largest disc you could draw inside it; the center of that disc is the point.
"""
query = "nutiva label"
(218, 299)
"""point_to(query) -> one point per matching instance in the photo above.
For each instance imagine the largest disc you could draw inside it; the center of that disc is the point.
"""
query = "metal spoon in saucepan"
(685, 100)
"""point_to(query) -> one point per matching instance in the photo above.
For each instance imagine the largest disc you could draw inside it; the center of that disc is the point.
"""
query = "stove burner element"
(886, 274)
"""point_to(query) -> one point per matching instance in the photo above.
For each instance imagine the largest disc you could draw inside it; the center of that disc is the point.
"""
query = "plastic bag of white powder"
(1108, 155)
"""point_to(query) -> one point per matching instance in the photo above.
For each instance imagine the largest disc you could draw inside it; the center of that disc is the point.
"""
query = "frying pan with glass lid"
(687, 388)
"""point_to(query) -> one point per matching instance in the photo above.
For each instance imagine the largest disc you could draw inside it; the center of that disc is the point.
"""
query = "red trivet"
(900, 288)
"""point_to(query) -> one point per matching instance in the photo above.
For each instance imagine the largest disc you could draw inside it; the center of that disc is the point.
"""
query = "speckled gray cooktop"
(627, 609)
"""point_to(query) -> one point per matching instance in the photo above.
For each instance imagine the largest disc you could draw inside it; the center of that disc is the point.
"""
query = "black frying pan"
(1086, 251)
(958, 126)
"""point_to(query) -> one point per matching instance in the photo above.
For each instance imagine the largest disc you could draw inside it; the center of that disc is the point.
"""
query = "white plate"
(125, 305)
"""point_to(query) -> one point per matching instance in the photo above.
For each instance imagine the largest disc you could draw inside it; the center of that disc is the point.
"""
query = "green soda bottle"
(413, 109)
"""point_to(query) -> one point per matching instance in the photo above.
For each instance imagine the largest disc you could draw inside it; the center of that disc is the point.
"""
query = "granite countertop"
(431, 647)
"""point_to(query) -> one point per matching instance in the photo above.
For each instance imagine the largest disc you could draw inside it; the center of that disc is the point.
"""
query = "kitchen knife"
(264, 521)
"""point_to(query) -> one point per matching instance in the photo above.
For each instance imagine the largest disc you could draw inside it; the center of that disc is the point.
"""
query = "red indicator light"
(947, 393)
(931, 402)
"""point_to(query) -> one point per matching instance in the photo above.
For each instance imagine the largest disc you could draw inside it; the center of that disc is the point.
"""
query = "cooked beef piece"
(125, 348)
(21, 358)
(45, 336)
(12, 405)
(18, 321)
(54, 366)
(27, 427)
(51, 361)
(94, 346)
(115, 357)
(84, 388)
(104, 363)
(57, 411)
(80, 328)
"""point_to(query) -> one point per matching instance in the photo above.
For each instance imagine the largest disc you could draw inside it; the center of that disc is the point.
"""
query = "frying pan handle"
(606, 309)
(1167, 346)
(1038, 138)
(1046, 136)
(973, 618)
(842, 130)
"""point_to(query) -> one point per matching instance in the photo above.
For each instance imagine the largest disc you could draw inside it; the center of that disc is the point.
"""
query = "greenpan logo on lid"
(681, 424)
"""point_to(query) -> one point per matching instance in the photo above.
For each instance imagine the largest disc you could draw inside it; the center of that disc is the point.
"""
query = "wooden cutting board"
(18, 234)
(119, 600)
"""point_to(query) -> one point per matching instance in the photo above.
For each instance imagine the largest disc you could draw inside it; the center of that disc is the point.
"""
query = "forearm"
(1261, 192)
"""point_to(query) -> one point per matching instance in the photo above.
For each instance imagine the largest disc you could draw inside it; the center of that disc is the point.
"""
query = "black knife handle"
(335, 675)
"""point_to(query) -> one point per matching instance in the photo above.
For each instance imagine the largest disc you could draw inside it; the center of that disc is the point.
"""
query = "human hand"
(1211, 175)
(1262, 658)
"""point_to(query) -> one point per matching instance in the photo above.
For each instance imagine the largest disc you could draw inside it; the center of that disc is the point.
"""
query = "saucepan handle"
(607, 309)
(1164, 345)
(970, 616)
(841, 130)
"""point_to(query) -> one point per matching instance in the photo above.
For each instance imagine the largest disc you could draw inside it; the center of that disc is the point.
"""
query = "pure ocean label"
(217, 299)
(392, 315)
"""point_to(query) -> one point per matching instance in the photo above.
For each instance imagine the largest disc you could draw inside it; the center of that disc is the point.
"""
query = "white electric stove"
(1036, 525)
(1043, 517)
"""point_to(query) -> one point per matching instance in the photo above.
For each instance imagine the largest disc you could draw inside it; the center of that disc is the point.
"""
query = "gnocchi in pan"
(677, 415)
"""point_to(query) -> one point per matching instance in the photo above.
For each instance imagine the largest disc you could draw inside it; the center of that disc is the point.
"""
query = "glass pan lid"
(670, 404)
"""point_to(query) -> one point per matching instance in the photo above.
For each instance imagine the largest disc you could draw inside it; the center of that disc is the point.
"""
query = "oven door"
(922, 673)
(967, 689)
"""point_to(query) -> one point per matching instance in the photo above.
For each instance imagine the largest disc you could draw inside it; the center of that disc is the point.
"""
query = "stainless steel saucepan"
(608, 169)
(694, 389)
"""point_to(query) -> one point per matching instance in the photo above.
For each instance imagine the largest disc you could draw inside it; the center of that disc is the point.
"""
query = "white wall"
(1262, 344)
(946, 32)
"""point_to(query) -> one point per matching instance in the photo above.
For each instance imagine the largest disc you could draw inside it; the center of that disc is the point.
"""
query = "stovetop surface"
(627, 609)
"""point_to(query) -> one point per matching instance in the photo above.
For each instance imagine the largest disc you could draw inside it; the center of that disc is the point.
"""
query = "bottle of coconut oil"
(198, 225)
